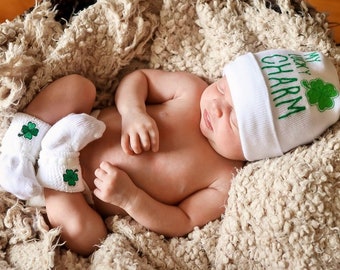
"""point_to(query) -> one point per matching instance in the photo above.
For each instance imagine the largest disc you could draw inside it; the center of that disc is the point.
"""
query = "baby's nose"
(216, 108)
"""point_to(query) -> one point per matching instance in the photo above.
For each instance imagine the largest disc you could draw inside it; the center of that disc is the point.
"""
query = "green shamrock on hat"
(71, 177)
(29, 131)
(320, 93)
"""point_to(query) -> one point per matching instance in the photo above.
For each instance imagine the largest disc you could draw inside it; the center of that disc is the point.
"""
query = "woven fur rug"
(282, 213)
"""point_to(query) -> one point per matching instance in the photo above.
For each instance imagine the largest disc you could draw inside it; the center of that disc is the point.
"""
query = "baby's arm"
(139, 130)
(149, 86)
(114, 186)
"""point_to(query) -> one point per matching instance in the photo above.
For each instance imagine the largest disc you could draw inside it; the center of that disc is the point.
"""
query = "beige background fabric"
(282, 213)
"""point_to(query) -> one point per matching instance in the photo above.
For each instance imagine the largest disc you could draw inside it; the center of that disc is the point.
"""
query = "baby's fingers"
(125, 143)
(131, 144)
(145, 140)
(154, 138)
(135, 143)
(149, 140)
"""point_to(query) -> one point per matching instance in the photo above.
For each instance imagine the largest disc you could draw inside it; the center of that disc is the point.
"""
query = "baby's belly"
(107, 148)
(162, 174)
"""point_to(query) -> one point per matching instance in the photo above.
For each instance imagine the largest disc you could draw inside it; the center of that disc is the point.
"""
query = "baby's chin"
(227, 154)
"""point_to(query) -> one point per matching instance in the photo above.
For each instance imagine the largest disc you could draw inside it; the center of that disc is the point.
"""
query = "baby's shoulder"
(190, 84)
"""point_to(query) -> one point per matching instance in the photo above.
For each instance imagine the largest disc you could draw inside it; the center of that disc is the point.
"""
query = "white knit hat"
(282, 99)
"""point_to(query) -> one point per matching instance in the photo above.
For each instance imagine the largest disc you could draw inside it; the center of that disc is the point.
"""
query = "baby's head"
(281, 99)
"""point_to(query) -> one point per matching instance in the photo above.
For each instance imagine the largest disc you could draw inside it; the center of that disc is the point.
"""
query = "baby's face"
(218, 120)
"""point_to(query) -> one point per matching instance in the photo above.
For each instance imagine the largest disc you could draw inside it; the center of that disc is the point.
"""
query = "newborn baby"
(167, 152)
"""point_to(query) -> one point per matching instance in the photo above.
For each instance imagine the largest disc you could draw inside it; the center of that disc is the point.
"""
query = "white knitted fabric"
(20, 148)
(282, 99)
(58, 165)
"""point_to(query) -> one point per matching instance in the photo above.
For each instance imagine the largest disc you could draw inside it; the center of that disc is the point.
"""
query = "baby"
(167, 152)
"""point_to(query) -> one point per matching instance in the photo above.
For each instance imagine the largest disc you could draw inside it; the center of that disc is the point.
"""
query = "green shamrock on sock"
(71, 177)
(29, 131)
(320, 93)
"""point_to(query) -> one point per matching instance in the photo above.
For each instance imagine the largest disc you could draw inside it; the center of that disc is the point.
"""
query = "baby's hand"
(113, 185)
(139, 133)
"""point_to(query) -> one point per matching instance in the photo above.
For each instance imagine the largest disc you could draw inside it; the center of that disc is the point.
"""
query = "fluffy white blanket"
(282, 213)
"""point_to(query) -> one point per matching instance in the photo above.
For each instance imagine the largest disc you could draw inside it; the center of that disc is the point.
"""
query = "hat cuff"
(252, 105)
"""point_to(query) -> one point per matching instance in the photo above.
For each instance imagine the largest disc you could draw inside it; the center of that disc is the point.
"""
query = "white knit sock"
(59, 166)
(19, 151)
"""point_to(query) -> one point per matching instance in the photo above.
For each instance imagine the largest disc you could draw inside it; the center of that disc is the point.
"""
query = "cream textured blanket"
(282, 213)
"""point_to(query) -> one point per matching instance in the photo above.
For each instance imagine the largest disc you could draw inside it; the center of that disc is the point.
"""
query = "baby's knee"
(82, 228)
(84, 235)
(82, 87)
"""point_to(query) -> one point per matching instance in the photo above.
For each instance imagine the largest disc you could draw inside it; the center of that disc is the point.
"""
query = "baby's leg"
(81, 227)
(69, 94)
(22, 141)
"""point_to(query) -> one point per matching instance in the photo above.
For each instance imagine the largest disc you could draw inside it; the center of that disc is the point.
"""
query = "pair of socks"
(56, 148)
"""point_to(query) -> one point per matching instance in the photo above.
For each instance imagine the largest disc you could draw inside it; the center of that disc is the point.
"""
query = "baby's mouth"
(207, 120)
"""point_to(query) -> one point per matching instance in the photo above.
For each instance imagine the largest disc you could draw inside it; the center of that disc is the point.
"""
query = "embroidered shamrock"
(71, 177)
(29, 131)
(320, 93)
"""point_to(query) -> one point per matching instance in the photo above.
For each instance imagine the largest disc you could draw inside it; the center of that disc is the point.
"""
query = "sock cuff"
(28, 131)
(60, 171)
